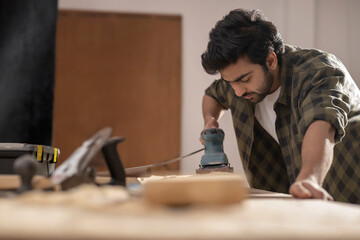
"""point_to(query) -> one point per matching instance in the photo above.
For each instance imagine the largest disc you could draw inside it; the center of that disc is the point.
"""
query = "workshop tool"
(45, 156)
(113, 161)
(26, 167)
(76, 169)
(214, 158)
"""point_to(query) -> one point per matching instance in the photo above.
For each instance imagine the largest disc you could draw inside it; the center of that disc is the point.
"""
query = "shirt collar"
(286, 71)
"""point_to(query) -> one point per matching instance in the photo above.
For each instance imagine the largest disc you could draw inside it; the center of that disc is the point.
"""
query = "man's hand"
(211, 113)
(309, 188)
(210, 123)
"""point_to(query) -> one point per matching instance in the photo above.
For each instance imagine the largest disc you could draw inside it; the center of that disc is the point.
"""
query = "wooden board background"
(123, 71)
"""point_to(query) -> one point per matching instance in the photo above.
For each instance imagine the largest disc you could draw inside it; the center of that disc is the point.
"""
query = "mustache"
(250, 93)
(260, 96)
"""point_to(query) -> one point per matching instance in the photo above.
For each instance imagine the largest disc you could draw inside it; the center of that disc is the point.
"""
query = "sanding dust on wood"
(85, 196)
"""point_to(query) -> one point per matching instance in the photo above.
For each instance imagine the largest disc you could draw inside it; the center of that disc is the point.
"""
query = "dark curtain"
(27, 63)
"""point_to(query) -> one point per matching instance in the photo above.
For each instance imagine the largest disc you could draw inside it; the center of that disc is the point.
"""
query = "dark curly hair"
(242, 32)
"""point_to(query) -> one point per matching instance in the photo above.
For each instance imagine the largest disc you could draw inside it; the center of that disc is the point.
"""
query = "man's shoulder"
(293, 50)
(309, 59)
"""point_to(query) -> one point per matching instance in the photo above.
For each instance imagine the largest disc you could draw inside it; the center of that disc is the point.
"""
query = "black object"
(26, 167)
(27, 63)
(113, 161)
(46, 157)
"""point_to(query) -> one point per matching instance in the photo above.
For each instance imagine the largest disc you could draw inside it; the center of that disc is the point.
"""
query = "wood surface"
(13, 182)
(161, 183)
(91, 212)
(123, 71)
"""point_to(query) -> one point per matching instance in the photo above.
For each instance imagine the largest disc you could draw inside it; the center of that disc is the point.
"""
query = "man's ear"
(271, 61)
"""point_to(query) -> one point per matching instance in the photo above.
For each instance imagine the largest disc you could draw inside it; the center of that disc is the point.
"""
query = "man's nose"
(239, 91)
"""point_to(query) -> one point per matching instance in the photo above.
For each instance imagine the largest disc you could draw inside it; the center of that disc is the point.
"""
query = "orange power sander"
(214, 158)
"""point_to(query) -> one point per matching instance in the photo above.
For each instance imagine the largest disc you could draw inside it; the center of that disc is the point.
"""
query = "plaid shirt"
(314, 86)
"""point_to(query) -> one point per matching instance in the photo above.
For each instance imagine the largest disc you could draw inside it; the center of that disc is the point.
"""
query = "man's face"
(250, 81)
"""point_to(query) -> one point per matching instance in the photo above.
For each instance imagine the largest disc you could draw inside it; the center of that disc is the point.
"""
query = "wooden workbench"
(91, 212)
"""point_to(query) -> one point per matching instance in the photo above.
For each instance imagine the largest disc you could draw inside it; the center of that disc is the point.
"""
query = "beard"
(264, 89)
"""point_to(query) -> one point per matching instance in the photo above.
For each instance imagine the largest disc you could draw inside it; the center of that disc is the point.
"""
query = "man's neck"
(276, 82)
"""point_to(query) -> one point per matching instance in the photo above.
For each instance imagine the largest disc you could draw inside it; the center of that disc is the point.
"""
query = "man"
(296, 112)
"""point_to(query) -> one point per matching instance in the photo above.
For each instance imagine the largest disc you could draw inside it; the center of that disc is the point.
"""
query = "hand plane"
(76, 169)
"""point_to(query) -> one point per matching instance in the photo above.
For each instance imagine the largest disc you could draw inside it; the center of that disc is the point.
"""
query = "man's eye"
(228, 83)
(224, 81)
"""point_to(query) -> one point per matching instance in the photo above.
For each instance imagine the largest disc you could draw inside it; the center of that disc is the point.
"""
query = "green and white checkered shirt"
(314, 86)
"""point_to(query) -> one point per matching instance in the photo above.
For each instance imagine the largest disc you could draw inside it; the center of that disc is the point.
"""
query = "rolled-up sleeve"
(219, 91)
(328, 101)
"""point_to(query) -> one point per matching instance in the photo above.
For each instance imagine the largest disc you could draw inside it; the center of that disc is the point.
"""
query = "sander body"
(214, 158)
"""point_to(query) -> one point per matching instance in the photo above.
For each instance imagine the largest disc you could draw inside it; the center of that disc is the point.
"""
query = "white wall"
(338, 31)
(330, 25)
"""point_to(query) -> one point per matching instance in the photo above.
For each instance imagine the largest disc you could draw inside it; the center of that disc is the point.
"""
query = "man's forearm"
(211, 111)
(317, 151)
(317, 155)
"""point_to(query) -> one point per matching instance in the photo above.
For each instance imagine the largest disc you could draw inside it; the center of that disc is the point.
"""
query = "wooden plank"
(197, 189)
(123, 71)
(259, 193)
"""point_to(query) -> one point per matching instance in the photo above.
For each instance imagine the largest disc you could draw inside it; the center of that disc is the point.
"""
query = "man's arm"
(317, 155)
(211, 112)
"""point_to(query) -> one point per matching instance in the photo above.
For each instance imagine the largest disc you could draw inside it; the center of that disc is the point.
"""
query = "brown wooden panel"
(123, 71)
